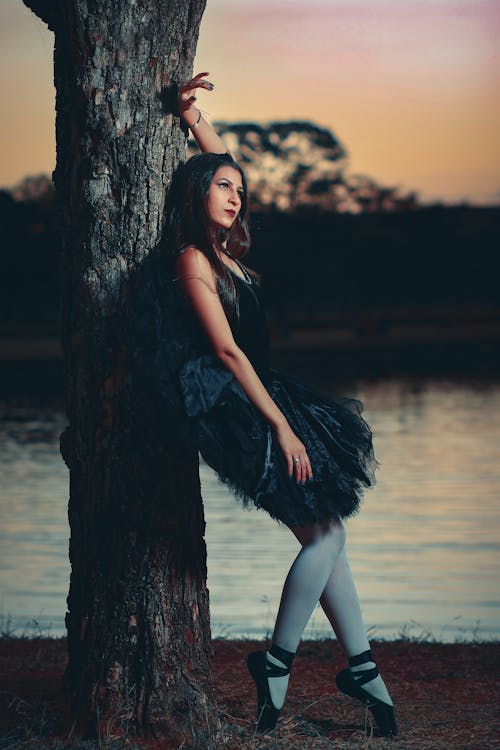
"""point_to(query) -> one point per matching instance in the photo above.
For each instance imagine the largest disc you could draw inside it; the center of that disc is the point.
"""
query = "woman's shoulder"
(192, 262)
(191, 258)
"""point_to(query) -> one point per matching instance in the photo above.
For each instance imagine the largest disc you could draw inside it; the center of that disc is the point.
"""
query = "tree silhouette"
(138, 618)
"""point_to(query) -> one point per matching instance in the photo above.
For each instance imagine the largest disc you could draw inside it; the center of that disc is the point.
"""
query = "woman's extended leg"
(340, 602)
(306, 580)
(321, 572)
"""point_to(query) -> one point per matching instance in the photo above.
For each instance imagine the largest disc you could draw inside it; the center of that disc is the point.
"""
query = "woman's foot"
(270, 671)
(362, 681)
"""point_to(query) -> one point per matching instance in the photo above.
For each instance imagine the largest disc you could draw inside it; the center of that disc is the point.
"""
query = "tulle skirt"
(240, 445)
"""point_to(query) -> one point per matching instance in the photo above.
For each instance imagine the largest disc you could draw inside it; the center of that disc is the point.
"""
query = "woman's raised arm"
(203, 133)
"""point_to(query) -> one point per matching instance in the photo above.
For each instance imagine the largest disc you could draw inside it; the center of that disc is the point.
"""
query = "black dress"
(235, 439)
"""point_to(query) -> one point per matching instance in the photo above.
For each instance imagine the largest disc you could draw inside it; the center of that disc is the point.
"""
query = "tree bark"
(138, 617)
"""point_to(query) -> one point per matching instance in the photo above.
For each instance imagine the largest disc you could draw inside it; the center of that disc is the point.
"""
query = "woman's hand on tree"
(187, 91)
(293, 448)
(201, 130)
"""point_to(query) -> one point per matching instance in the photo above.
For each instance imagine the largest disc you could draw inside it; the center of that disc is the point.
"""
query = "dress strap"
(245, 272)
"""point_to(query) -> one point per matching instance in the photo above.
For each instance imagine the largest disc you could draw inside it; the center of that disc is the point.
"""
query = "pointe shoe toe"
(384, 716)
(267, 714)
(383, 713)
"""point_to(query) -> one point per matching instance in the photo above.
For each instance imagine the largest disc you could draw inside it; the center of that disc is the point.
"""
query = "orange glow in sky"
(411, 89)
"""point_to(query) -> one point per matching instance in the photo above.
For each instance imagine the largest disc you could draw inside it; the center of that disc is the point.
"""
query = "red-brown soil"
(447, 696)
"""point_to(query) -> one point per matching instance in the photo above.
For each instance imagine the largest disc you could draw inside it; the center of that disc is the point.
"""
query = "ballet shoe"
(261, 669)
(382, 712)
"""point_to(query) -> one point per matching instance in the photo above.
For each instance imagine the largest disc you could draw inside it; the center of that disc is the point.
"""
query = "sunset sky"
(410, 88)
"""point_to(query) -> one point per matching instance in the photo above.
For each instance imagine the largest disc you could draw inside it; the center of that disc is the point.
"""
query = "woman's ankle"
(281, 659)
(284, 656)
(363, 666)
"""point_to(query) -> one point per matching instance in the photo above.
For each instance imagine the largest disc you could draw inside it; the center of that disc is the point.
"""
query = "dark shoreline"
(329, 348)
(446, 697)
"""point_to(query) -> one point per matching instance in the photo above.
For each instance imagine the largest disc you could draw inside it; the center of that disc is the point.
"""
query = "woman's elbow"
(229, 353)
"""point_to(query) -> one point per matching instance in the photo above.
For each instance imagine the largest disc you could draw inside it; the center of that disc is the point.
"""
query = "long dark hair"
(188, 222)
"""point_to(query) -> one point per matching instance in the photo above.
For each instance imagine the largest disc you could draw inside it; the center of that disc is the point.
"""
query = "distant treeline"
(29, 282)
(310, 261)
(339, 262)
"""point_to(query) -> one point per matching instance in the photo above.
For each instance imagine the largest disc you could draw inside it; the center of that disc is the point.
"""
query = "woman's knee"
(330, 534)
(330, 540)
(336, 533)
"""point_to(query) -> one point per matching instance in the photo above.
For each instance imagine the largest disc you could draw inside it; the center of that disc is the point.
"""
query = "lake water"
(425, 549)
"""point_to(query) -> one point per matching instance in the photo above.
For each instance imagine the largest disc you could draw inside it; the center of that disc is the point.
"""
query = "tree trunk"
(138, 618)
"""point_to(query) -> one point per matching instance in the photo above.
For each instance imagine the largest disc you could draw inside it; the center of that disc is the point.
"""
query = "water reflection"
(424, 549)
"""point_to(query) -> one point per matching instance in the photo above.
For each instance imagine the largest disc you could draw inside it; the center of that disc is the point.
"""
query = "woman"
(277, 443)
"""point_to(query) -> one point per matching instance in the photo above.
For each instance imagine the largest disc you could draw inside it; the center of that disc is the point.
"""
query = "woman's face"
(224, 197)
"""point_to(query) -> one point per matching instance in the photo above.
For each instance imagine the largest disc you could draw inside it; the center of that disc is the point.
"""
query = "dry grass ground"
(447, 696)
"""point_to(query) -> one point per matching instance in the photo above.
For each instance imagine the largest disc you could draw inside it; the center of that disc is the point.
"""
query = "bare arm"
(203, 133)
(195, 274)
(196, 277)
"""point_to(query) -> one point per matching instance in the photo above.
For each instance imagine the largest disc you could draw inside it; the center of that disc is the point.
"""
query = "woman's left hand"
(187, 91)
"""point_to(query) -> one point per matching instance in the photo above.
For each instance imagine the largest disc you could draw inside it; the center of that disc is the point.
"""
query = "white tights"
(321, 572)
